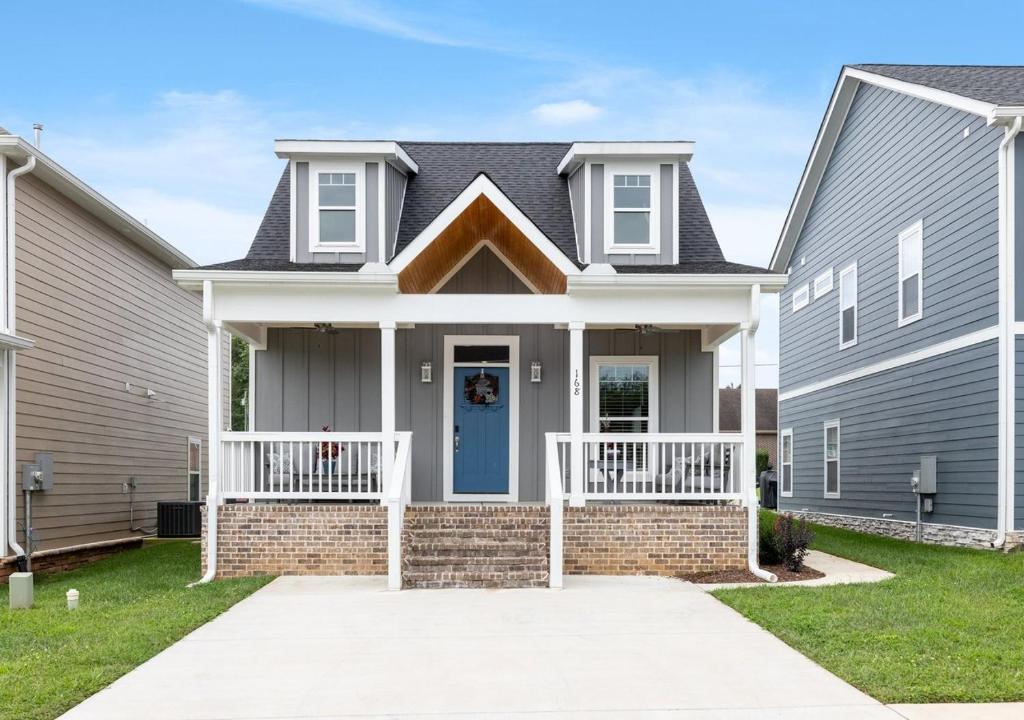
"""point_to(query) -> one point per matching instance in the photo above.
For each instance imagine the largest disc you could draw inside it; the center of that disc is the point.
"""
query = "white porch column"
(748, 382)
(576, 414)
(215, 403)
(387, 402)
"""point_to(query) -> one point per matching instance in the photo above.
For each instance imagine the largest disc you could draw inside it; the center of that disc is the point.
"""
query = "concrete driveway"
(602, 647)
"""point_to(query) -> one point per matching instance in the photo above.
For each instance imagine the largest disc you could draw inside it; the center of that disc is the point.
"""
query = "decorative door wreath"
(481, 389)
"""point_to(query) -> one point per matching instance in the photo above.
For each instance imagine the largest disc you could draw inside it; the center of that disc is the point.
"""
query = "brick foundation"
(64, 559)
(668, 540)
(257, 539)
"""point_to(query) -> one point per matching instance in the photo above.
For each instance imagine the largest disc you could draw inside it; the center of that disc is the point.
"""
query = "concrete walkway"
(602, 647)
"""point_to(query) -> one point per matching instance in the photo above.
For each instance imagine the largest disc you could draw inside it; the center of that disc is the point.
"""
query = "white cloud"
(566, 113)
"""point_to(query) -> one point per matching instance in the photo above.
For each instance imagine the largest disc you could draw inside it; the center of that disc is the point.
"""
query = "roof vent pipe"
(37, 128)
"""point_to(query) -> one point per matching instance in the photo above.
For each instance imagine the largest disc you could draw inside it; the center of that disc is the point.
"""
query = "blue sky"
(171, 108)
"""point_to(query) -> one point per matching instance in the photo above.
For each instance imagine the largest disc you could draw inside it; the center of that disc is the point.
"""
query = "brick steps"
(475, 546)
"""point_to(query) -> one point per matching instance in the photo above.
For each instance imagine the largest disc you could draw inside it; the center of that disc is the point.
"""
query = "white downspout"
(1007, 318)
(213, 352)
(10, 406)
(749, 418)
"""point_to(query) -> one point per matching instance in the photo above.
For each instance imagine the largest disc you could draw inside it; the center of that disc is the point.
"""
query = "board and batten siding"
(306, 380)
(945, 406)
(302, 200)
(597, 215)
(394, 189)
(897, 160)
(577, 197)
(103, 312)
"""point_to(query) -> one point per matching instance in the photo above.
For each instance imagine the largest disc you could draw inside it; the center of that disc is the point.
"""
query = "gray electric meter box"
(926, 476)
(38, 475)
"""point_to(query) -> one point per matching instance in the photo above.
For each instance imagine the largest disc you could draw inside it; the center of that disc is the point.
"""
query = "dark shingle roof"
(277, 264)
(766, 403)
(997, 84)
(526, 173)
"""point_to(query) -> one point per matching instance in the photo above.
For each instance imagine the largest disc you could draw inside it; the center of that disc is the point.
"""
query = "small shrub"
(792, 537)
(762, 462)
(767, 540)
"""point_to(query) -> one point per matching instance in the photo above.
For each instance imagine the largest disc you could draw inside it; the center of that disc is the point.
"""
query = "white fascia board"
(828, 133)
(193, 279)
(387, 149)
(483, 185)
(304, 303)
(57, 177)
(580, 151)
(652, 281)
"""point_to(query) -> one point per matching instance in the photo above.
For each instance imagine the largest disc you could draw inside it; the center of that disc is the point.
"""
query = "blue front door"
(481, 417)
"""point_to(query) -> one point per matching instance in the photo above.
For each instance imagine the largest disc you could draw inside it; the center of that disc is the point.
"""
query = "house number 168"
(576, 383)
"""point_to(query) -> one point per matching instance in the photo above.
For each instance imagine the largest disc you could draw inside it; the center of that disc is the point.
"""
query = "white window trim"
(838, 461)
(337, 166)
(848, 270)
(652, 393)
(611, 169)
(804, 291)
(193, 440)
(819, 284)
(787, 433)
(918, 229)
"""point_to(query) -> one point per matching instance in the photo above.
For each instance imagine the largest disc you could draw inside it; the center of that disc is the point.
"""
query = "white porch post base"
(576, 472)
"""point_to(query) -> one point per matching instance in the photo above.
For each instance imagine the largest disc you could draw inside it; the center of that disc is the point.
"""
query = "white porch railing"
(652, 466)
(301, 466)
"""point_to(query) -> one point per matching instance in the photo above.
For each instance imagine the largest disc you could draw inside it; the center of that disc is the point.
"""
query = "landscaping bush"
(762, 462)
(767, 544)
(792, 537)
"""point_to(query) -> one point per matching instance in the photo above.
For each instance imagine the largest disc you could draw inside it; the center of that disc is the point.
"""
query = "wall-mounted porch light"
(535, 371)
(426, 372)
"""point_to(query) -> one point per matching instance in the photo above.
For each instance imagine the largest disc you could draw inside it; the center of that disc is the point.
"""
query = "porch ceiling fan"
(325, 328)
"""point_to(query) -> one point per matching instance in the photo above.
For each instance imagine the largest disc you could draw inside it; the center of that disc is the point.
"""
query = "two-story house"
(900, 329)
(451, 339)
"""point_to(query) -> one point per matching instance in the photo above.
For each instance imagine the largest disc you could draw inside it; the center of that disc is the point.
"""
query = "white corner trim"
(382, 211)
(926, 353)
(448, 417)
(587, 223)
(483, 185)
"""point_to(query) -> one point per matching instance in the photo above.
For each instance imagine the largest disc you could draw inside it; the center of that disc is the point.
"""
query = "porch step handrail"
(399, 495)
(555, 499)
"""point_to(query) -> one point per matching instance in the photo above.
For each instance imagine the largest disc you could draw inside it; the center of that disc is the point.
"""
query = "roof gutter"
(10, 408)
(769, 282)
(194, 279)
(1007, 317)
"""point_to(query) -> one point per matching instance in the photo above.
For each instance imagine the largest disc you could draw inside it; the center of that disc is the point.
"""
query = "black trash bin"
(769, 483)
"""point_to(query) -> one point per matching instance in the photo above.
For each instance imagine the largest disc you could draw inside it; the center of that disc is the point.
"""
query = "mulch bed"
(745, 576)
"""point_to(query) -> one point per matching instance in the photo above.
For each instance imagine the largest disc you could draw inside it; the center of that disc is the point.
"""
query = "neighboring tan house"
(104, 366)
(766, 411)
(902, 327)
(485, 329)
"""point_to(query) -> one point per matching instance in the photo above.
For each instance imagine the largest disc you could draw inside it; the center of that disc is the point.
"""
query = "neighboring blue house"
(901, 332)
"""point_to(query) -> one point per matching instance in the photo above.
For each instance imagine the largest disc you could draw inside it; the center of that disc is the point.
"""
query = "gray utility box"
(38, 475)
(925, 478)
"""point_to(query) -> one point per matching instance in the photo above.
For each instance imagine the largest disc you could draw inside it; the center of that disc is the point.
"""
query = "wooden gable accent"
(481, 220)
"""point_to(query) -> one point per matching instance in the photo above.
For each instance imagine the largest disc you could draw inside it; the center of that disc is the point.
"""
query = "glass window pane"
(849, 324)
(832, 443)
(910, 249)
(848, 293)
(481, 353)
(193, 487)
(632, 228)
(344, 195)
(632, 197)
(337, 226)
(910, 299)
(832, 477)
(787, 474)
(623, 394)
(787, 448)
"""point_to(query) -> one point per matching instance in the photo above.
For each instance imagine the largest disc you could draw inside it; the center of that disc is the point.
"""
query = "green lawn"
(948, 628)
(132, 606)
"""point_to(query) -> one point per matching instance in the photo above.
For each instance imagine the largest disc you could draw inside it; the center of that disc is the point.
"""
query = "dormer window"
(632, 194)
(338, 194)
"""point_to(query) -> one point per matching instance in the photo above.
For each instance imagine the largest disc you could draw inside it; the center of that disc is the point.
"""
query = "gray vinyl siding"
(897, 160)
(306, 380)
(666, 205)
(577, 190)
(394, 188)
(484, 273)
(945, 406)
(302, 200)
(1018, 404)
(1019, 225)
(103, 312)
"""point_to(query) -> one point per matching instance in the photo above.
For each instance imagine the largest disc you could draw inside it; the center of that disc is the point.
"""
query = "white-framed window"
(832, 459)
(801, 297)
(337, 203)
(632, 216)
(823, 284)
(195, 468)
(624, 394)
(848, 306)
(911, 273)
(786, 463)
